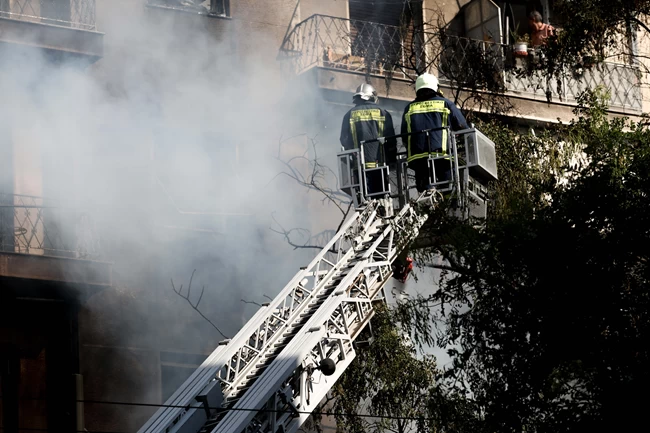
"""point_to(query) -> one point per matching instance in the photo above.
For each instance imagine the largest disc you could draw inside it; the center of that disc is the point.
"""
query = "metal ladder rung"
(243, 388)
(283, 343)
(257, 371)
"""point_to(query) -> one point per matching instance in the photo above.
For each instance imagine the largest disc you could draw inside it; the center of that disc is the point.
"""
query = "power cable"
(221, 409)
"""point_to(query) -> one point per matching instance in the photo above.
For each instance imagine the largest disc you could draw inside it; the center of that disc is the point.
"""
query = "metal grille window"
(218, 8)
(33, 225)
(73, 13)
(382, 31)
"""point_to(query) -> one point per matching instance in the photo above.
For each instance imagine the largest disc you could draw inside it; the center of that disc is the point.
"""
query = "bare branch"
(345, 216)
(250, 302)
(287, 236)
(316, 178)
(194, 306)
(640, 23)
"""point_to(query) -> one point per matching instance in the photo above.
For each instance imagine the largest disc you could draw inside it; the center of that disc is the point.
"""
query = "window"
(501, 21)
(216, 8)
(51, 9)
(483, 21)
(516, 16)
(381, 31)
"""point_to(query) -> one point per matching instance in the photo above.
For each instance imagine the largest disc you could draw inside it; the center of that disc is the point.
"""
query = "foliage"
(389, 382)
(596, 31)
(519, 38)
(545, 306)
(471, 69)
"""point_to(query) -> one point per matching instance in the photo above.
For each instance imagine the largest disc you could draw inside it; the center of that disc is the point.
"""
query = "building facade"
(141, 140)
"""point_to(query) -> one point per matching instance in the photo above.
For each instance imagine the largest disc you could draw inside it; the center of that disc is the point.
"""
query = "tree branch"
(195, 307)
(250, 302)
(287, 236)
(318, 173)
(640, 23)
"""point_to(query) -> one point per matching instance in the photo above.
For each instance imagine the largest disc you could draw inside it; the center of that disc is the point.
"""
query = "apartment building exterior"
(388, 43)
(83, 327)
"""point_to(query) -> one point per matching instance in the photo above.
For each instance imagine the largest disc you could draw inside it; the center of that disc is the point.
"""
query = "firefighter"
(429, 110)
(366, 121)
(402, 267)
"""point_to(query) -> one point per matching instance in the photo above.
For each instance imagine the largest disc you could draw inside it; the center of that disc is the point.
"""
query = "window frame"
(175, 5)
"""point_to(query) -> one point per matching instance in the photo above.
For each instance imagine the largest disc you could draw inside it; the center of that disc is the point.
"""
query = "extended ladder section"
(279, 367)
(272, 374)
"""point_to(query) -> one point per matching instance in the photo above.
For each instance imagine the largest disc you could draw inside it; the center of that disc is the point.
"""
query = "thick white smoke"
(169, 143)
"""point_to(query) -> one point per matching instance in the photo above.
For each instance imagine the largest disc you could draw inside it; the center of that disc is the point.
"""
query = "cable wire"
(222, 410)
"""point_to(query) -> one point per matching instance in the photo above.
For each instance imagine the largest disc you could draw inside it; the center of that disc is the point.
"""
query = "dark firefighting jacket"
(367, 121)
(430, 113)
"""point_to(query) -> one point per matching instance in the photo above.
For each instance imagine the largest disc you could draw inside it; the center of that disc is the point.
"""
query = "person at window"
(429, 110)
(539, 31)
(367, 121)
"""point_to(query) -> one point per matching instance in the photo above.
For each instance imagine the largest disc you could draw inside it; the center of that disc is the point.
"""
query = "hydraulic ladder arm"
(281, 364)
(268, 378)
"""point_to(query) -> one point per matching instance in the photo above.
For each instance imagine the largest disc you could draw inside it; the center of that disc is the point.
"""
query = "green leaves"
(545, 305)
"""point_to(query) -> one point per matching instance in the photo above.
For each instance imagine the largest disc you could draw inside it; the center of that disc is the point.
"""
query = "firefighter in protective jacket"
(367, 121)
(429, 110)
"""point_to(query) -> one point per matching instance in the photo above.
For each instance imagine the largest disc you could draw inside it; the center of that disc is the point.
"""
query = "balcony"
(460, 58)
(32, 225)
(41, 241)
(210, 8)
(352, 45)
(381, 50)
(56, 26)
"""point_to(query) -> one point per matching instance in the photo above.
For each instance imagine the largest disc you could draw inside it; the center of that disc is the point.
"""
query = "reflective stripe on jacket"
(432, 113)
(364, 122)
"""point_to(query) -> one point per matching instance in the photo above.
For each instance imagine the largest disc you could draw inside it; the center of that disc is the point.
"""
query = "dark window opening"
(384, 32)
(379, 11)
(220, 8)
(515, 16)
(552, 16)
(502, 21)
(38, 358)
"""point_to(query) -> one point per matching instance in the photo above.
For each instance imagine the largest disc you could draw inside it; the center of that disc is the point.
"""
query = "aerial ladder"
(271, 375)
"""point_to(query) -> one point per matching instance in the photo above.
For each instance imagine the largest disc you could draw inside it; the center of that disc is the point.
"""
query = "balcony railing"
(521, 76)
(380, 49)
(33, 225)
(78, 14)
(352, 45)
(213, 8)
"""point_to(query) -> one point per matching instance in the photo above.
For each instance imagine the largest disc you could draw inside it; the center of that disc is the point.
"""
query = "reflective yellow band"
(366, 115)
(370, 115)
(423, 107)
(426, 155)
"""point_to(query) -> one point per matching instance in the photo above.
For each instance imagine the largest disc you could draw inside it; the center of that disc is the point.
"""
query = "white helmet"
(366, 92)
(426, 81)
